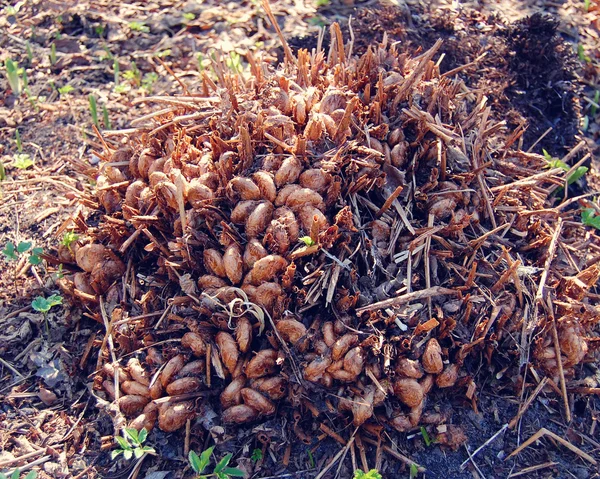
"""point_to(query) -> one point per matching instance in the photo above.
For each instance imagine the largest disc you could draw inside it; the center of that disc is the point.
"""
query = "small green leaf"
(149, 450)
(223, 463)
(115, 453)
(128, 454)
(195, 462)
(257, 455)
(426, 437)
(122, 442)
(233, 472)
(16, 473)
(311, 459)
(133, 434)
(23, 246)
(190, 16)
(34, 260)
(22, 161)
(307, 240)
(414, 470)
(143, 435)
(205, 458)
(138, 452)
(579, 173)
(9, 251)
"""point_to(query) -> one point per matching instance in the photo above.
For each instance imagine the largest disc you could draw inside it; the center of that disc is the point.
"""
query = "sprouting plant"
(13, 77)
(69, 238)
(587, 4)
(307, 240)
(43, 305)
(22, 161)
(116, 70)
(107, 54)
(190, 16)
(317, 20)
(105, 118)
(322, 3)
(17, 473)
(122, 88)
(138, 27)
(311, 459)
(234, 62)
(589, 217)
(426, 437)
(132, 444)
(164, 53)
(52, 53)
(582, 55)
(18, 141)
(414, 471)
(94, 110)
(134, 75)
(372, 474)
(556, 163)
(2, 171)
(200, 62)
(29, 52)
(594, 108)
(65, 90)
(221, 469)
(257, 455)
(99, 29)
(12, 252)
(148, 81)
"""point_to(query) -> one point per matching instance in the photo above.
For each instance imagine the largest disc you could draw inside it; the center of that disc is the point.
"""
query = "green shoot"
(582, 55)
(311, 459)
(221, 469)
(587, 4)
(18, 141)
(200, 62)
(99, 30)
(22, 161)
(12, 75)
(556, 163)
(372, 474)
(148, 81)
(322, 3)
(594, 108)
(307, 240)
(105, 118)
(138, 27)
(234, 62)
(122, 88)
(116, 70)
(257, 455)
(132, 444)
(2, 171)
(426, 437)
(12, 252)
(29, 52)
(164, 53)
(69, 238)
(52, 54)
(107, 54)
(589, 217)
(414, 471)
(94, 110)
(17, 473)
(43, 305)
(65, 90)
(134, 75)
(190, 16)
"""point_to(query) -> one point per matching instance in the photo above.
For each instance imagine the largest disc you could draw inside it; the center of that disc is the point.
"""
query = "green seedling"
(372, 474)
(148, 82)
(69, 238)
(257, 455)
(594, 108)
(138, 27)
(426, 438)
(12, 252)
(29, 52)
(22, 161)
(122, 88)
(132, 444)
(317, 20)
(116, 70)
(589, 217)
(13, 77)
(17, 473)
(164, 53)
(307, 240)
(582, 55)
(52, 54)
(18, 141)
(105, 118)
(234, 62)
(134, 75)
(587, 4)
(99, 30)
(414, 471)
(65, 90)
(94, 110)
(43, 305)
(322, 3)
(556, 163)
(2, 171)
(107, 54)
(221, 469)
(189, 16)
(200, 62)
(311, 459)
